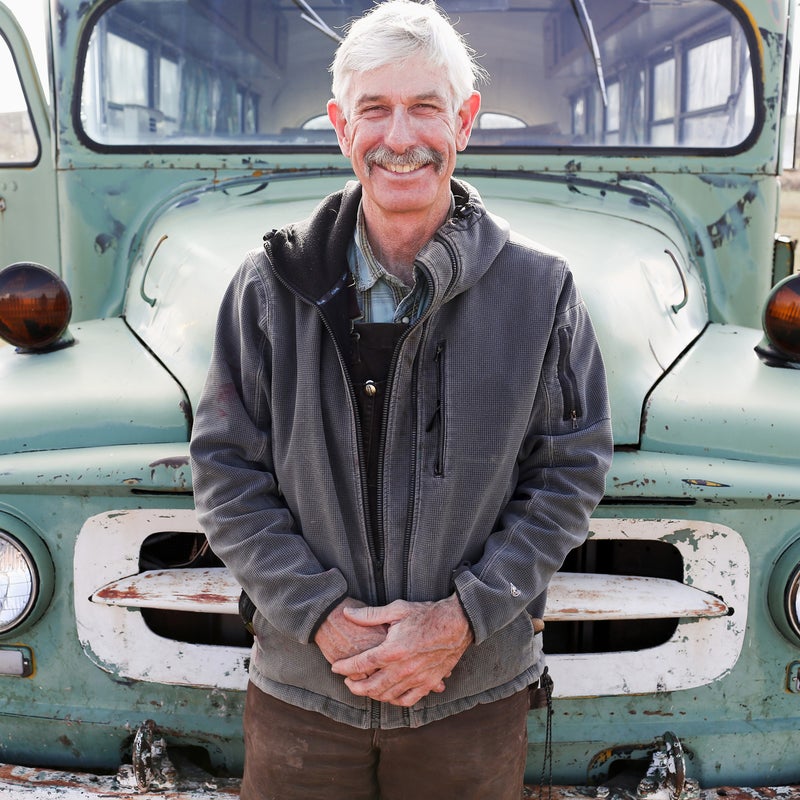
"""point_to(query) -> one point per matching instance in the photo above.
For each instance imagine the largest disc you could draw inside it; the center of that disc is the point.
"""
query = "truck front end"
(641, 139)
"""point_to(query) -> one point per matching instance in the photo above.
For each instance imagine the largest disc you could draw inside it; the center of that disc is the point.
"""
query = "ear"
(339, 123)
(466, 117)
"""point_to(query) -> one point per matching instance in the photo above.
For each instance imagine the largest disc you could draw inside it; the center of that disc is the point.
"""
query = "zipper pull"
(574, 415)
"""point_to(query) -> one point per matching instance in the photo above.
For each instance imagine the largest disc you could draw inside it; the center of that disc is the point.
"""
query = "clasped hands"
(397, 653)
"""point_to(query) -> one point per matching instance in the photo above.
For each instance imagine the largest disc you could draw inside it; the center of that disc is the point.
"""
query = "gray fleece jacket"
(496, 445)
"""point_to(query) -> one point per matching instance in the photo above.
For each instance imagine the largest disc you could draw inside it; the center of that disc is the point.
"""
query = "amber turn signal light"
(782, 324)
(35, 306)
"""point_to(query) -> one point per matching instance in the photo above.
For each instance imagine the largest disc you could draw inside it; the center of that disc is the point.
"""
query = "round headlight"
(784, 593)
(19, 583)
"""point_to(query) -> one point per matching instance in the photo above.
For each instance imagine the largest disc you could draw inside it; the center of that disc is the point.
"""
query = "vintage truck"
(640, 138)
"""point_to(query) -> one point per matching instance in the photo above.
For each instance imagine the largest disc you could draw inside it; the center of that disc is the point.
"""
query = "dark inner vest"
(371, 359)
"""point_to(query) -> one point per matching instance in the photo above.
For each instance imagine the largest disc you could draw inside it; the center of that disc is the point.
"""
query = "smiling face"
(402, 137)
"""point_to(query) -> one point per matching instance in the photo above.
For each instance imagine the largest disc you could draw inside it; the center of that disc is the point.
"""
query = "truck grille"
(632, 610)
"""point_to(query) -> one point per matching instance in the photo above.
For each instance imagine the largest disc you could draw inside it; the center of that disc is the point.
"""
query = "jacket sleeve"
(237, 496)
(561, 471)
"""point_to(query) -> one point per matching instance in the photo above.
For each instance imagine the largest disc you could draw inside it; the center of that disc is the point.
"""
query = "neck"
(396, 239)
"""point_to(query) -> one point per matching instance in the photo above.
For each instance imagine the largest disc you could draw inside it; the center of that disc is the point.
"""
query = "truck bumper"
(152, 776)
(28, 783)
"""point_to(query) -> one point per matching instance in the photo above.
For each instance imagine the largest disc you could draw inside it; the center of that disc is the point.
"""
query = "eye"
(370, 112)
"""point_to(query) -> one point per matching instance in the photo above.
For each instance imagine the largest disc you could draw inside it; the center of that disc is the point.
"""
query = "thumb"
(369, 616)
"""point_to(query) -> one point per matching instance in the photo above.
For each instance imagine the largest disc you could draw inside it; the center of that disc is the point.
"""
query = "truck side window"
(18, 142)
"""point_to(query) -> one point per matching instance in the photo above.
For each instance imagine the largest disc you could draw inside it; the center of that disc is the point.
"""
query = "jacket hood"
(311, 256)
(465, 247)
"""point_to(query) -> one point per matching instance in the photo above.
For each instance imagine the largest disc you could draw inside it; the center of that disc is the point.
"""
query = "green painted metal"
(110, 390)
(175, 281)
(29, 228)
(731, 404)
(673, 253)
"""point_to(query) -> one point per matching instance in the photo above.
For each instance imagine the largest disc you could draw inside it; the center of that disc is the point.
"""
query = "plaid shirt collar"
(383, 297)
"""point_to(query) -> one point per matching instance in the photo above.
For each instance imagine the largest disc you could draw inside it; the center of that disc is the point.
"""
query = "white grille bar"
(572, 597)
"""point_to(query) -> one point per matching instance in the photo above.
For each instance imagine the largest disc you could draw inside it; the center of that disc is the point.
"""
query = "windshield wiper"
(585, 21)
(315, 20)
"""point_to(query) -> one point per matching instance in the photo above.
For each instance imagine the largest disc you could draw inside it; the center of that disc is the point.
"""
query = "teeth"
(403, 167)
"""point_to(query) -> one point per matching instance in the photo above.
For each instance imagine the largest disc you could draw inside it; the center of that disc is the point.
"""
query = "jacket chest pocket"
(436, 427)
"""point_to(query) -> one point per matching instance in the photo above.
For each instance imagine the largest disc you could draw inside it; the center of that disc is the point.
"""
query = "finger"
(410, 698)
(366, 686)
(365, 663)
(376, 687)
(376, 615)
(390, 687)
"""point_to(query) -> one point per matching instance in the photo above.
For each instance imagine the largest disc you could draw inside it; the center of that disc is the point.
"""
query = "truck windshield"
(564, 74)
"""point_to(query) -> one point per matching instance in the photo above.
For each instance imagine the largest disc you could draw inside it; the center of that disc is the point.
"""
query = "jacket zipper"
(438, 419)
(566, 378)
(372, 540)
(413, 475)
(375, 556)
(375, 540)
(380, 537)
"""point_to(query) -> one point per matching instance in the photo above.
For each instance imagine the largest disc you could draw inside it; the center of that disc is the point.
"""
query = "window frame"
(37, 157)
(594, 109)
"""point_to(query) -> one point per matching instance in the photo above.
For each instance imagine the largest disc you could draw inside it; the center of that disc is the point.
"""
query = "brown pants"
(293, 754)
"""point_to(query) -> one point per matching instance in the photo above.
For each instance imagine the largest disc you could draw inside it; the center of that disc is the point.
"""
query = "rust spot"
(704, 482)
(761, 793)
(206, 597)
(109, 593)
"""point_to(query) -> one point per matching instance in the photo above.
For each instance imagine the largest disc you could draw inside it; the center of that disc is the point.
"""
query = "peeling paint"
(103, 242)
(733, 222)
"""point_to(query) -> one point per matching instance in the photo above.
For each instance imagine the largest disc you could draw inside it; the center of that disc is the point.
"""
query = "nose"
(400, 134)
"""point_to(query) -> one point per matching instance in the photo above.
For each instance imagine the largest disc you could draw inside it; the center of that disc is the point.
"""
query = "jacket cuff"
(486, 609)
(325, 614)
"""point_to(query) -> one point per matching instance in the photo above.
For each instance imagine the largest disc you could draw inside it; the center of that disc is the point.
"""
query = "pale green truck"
(640, 138)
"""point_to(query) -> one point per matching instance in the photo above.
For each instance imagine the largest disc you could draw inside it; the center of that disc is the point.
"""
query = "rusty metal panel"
(571, 596)
(212, 590)
(586, 596)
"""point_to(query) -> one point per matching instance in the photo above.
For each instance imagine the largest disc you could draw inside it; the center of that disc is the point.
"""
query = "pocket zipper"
(566, 378)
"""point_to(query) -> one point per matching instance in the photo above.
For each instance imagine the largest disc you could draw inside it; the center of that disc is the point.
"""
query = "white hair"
(393, 32)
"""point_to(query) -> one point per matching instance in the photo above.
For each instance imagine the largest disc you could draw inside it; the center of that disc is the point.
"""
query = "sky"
(30, 15)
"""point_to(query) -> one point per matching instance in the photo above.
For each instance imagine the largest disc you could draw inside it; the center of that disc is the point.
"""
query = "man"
(404, 431)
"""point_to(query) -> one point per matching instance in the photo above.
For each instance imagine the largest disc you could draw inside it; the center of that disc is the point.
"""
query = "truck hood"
(104, 390)
(722, 401)
(630, 258)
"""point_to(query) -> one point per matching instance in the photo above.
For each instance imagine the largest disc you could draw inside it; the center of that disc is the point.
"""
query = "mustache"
(414, 157)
